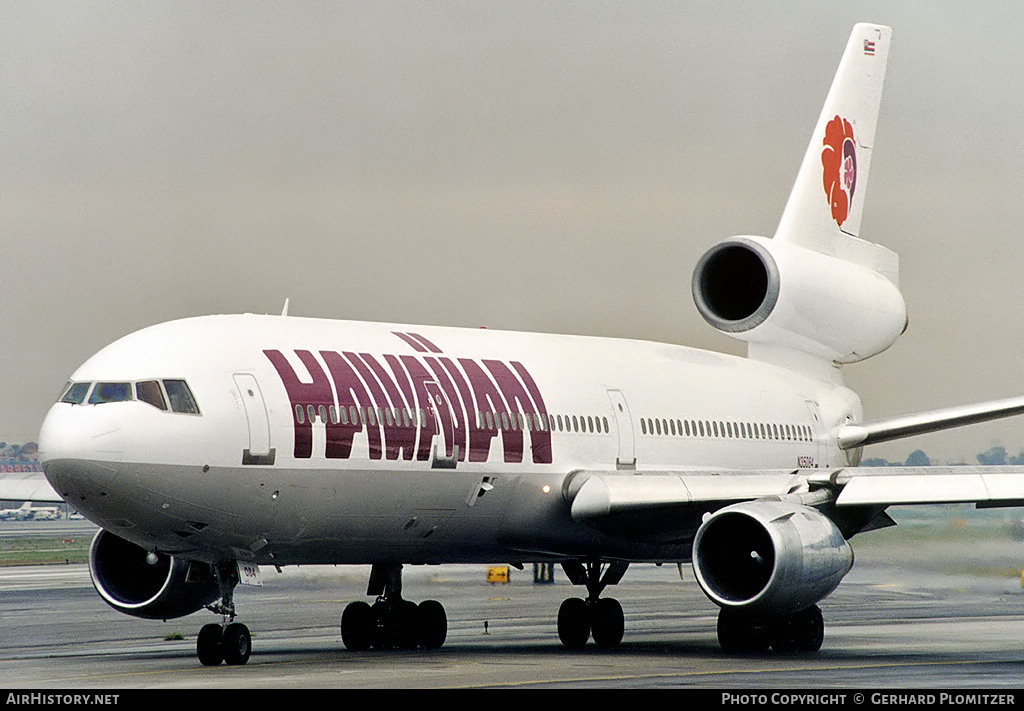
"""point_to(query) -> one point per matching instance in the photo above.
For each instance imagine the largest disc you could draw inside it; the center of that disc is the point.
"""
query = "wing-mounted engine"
(779, 294)
(769, 557)
(145, 584)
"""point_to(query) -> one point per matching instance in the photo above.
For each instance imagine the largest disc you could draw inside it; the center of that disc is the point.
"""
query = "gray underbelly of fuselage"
(279, 516)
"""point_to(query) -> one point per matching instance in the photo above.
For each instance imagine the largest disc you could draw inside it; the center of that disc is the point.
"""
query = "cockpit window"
(110, 392)
(149, 391)
(75, 393)
(181, 397)
(158, 393)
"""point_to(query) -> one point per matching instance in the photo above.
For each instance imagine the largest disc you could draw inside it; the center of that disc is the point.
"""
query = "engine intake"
(777, 293)
(769, 556)
(141, 583)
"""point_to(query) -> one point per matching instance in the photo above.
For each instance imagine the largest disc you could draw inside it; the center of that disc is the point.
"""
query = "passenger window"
(75, 393)
(148, 391)
(110, 392)
(181, 397)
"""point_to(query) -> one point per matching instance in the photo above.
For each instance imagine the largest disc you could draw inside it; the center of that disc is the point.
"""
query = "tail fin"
(816, 296)
(824, 210)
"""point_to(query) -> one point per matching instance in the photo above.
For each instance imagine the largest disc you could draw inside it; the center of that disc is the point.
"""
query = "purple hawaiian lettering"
(428, 424)
(478, 435)
(353, 398)
(489, 399)
(399, 435)
(301, 394)
(458, 428)
(540, 437)
(467, 403)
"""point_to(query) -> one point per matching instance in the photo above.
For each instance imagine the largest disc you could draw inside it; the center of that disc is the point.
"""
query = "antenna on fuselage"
(284, 311)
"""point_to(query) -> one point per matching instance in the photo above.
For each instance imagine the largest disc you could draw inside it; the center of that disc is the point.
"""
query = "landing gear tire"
(357, 626)
(601, 617)
(401, 625)
(231, 643)
(208, 645)
(432, 623)
(406, 633)
(812, 628)
(237, 644)
(739, 633)
(574, 623)
(802, 631)
(607, 623)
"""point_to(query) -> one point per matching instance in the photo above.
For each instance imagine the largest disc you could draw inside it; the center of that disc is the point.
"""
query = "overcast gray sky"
(551, 166)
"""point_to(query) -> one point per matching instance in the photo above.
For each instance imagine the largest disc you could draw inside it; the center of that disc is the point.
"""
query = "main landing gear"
(229, 642)
(741, 633)
(391, 622)
(601, 618)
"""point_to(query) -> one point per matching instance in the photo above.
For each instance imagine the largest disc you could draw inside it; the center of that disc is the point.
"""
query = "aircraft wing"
(595, 496)
(28, 486)
(863, 434)
(984, 486)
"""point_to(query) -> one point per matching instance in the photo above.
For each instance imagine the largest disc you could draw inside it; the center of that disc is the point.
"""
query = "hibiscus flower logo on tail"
(839, 163)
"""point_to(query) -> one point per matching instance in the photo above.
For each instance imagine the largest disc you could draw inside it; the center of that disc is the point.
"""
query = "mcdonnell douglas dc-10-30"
(207, 447)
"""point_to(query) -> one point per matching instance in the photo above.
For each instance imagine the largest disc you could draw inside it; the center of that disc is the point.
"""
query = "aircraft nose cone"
(80, 447)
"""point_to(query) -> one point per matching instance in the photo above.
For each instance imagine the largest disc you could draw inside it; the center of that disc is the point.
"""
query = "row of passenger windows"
(733, 430)
(158, 393)
(556, 423)
(515, 421)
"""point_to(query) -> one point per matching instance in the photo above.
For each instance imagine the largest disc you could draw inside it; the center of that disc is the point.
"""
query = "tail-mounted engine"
(142, 583)
(777, 293)
(769, 557)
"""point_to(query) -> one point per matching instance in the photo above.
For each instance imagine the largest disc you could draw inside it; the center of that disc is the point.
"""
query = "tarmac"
(900, 620)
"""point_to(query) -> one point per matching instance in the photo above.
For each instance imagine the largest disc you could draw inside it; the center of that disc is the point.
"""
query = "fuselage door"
(819, 435)
(624, 424)
(445, 452)
(259, 451)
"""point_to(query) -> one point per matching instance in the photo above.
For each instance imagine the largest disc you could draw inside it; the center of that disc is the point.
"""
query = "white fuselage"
(325, 441)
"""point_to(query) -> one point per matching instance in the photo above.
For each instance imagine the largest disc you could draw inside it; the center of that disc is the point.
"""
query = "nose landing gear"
(229, 642)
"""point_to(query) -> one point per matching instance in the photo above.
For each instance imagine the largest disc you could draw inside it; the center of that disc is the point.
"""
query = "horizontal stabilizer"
(859, 435)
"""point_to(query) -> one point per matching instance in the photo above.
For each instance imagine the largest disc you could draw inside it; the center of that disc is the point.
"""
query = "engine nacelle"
(769, 557)
(141, 583)
(776, 293)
